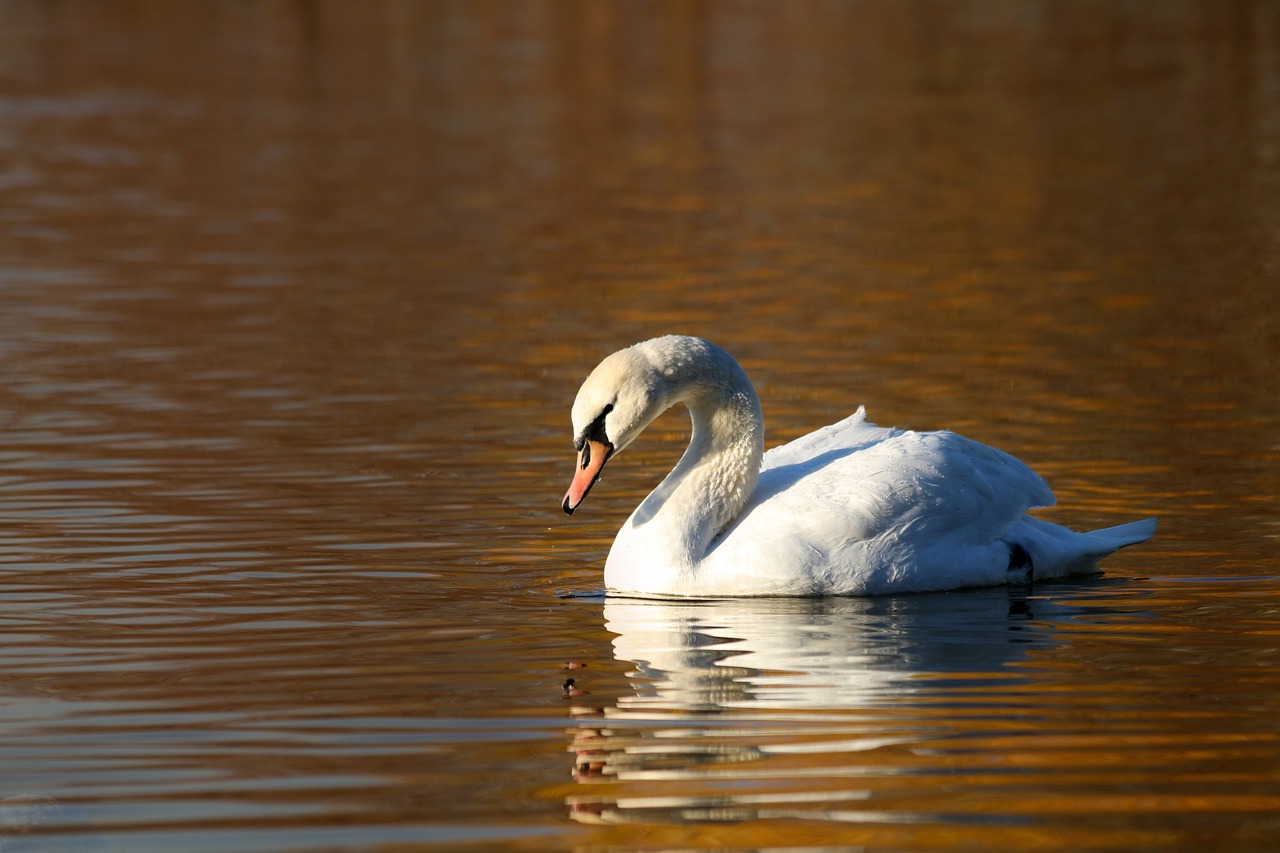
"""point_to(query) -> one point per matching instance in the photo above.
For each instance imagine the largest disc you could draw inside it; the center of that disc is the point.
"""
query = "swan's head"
(620, 398)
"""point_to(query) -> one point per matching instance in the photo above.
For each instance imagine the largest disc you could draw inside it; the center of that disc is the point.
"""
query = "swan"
(850, 509)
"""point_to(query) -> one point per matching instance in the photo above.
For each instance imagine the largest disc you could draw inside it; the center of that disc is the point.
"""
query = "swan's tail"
(1110, 539)
(1055, 551)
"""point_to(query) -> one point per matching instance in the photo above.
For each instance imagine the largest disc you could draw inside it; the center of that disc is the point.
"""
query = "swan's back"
(857, 508)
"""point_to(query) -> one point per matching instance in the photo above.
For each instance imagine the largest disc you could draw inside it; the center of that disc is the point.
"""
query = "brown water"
(295, 300)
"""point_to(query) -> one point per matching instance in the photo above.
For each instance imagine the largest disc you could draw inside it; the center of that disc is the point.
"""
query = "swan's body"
(851, 509)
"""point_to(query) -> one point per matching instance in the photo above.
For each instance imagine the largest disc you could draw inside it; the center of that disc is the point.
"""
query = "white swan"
(851, 509)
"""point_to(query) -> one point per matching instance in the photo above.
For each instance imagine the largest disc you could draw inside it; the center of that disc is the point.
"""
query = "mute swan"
(851, 509)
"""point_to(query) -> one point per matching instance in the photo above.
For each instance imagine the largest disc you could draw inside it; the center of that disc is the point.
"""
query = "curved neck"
(715, 476)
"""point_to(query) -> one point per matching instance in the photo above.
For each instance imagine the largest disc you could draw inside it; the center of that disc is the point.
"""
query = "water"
(297, 296)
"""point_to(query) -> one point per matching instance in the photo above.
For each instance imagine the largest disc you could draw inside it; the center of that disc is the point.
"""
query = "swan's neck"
(713, 480)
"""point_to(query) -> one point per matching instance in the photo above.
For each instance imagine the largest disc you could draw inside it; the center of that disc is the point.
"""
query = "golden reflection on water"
(938, 720)
(296, 297)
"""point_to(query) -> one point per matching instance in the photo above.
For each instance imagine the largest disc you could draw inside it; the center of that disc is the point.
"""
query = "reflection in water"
(25, 818)
(1059, 718)
(820, 653)
(727, 691)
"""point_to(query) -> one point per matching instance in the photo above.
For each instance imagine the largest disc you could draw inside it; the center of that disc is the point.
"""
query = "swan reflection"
(735, 702)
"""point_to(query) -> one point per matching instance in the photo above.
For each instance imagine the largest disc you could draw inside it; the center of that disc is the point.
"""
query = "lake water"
(296, 297)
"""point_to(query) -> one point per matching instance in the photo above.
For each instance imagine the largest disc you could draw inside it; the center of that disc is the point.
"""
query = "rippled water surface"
(296, 298)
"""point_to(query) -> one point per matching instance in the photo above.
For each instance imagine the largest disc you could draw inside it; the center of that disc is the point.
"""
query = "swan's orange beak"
(590, 464)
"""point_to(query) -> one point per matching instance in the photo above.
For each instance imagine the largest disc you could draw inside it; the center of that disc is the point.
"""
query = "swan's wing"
(849, 434)
(857, 486)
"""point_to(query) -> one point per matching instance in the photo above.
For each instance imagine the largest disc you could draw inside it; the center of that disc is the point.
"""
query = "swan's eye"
(596, 431)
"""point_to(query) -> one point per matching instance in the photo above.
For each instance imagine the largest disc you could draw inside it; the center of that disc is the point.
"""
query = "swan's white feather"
(857, 508)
